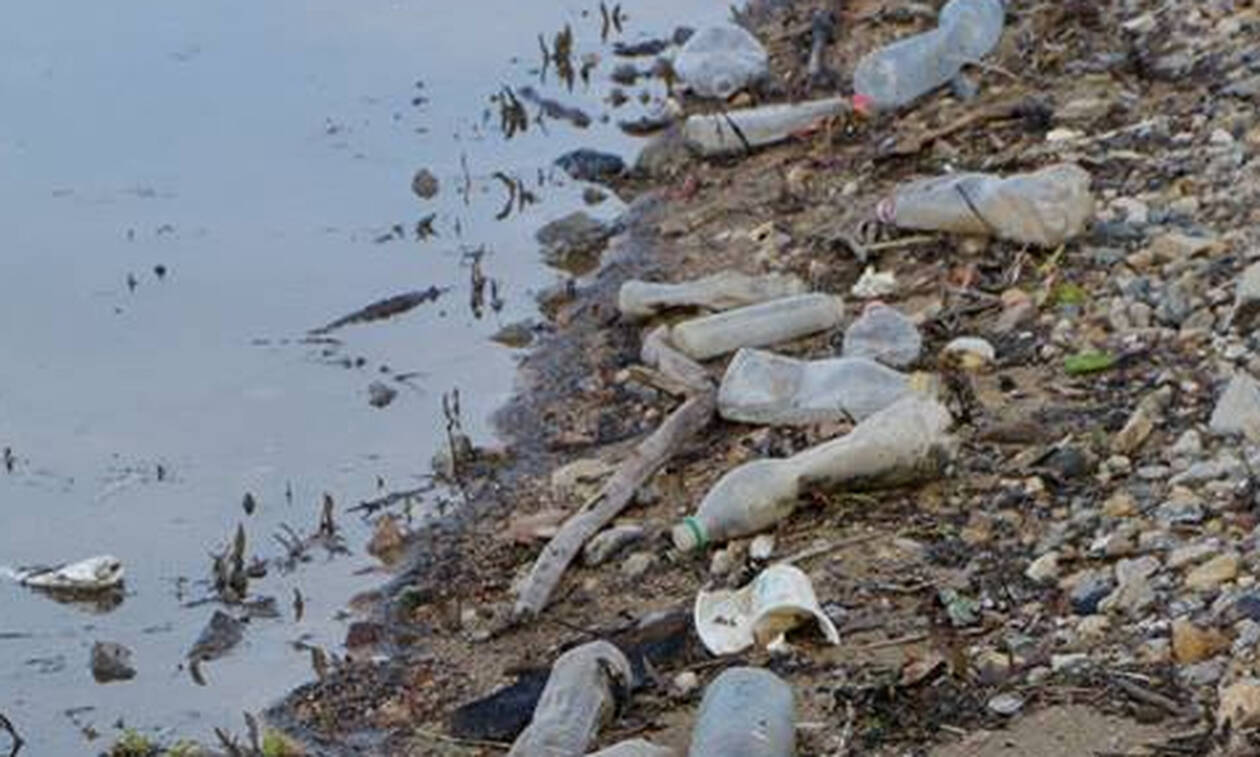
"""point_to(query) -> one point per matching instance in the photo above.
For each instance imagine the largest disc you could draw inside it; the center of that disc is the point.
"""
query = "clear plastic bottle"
(734, 131)
(762, 387)
(899, 73)
(579, 698)
(721, 291)
(746, 712)
(635, 748)
(760, 325)
(901, 443)
(1046, 207)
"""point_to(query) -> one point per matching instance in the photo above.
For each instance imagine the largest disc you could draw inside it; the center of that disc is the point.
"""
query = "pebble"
(1006, 704)
(1142, 421)
(1189, 554)
(1211, 574)
(111, 662)
(1246, 298)
(1238, 409)
(424, 184)
(884, 334)
(1248, 606)
(1044, 569)
(1182, 507)
(1130, 598)
(1089, 590)
(1093, 628)
(686, 682)
(1120, 504)
(761, 547)
(1191, 644)
(1060, 663)
(975, 353)
(1240, 704)
(638, 564)
(1203, 673)
(1246, 636)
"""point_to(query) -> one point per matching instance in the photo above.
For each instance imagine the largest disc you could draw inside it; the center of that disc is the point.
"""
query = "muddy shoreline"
(951, 640)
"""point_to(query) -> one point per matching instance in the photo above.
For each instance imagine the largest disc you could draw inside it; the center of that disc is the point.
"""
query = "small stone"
(638, 564)
(1175, 246)
(424, 184)
(1246, 637)
(874, 284)
(686, 682)
(1135, 211)
(1191, 644)
(585, 164)
(111, 662)
(1060, 663)
(723, 561)
(1248, 606)
(1120, 504)
(573, 242)
(973, 353)
(1211, 574)
(1188, 445)
(1183, 507)
(1246, 298)
(1238, 409)
(1204, 673)
(1006, 704)
(882, 333)
(380, 395)
(1131, 598)
(1149, 411)
(1190, 554)
(604, 545)
(1068, 462)
(387, 539)
(1093, 628)
(1240, 704)
(581, 478)
(1089, 590)
(761, 547)
(1044, 569)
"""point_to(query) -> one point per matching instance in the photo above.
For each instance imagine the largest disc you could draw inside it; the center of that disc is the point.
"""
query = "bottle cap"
(689, 535)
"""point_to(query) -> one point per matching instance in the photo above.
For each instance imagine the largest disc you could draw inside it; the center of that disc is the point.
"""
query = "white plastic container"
(899, 73)
(904, 442)
(713, 134)
(745, 712)
(1045, 207)
(762, 387)
(577, 700)
(778, 600)
(760, 325)
(720, 291)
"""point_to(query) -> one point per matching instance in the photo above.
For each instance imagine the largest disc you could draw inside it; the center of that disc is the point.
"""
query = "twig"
(644, 460)
(658, 380)
(17, 740)
(900, 641)
(1147, 696)
(893, 244)
(501, 746)
(835, 546)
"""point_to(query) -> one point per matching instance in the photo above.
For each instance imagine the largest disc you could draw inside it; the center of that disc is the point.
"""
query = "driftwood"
(692, 415)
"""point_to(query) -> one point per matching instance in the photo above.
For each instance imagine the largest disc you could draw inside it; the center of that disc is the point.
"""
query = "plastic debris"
(760, 325)
(778, 600)
(720, 60)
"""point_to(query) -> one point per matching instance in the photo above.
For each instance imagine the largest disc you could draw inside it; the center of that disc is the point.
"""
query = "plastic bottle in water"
(746, 712)
(760, 325)
(579, 698)
(720, 291)
(899, 73)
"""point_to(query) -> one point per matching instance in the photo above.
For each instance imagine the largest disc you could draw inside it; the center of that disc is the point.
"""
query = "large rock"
(720, 60)
(1238, 409)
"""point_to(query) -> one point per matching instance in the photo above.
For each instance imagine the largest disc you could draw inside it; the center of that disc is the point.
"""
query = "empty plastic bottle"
(762, 387)
(579, 698)
(758, 325)
(720, 291)
(635, 748)
(897, 74)
(1045, 207)
(745, 712)
(737, 130)
(901, 443)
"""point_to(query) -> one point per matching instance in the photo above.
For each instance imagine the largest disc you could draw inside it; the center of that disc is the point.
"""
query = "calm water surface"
(262, 154)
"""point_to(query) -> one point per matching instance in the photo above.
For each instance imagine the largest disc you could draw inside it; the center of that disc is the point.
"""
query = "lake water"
(260, 154)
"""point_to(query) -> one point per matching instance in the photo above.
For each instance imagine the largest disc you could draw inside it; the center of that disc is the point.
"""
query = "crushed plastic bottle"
(904, 442)
(762, 387)
(712, 134)
(635, 748)
(720, 60)
(883, 333)
(579, 698)
(758, 325)
(745, 712)
(899, 73)
(720, 291)
(1046, 207)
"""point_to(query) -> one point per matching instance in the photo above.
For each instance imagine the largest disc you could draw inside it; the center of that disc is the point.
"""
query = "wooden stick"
(835, 546)
(653, 452)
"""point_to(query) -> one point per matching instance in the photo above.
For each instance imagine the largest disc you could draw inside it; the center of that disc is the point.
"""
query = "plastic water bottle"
(579, 698)
(760, 325)
(635, 748)
(904, 442)
(898, 74)
(734, 131)
(762, 387)
(720, 291)
(746, 712)
(1045, 207)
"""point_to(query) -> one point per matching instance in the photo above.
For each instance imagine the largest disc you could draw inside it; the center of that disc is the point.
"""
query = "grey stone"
(574, 242)
(111, 662)
(1089, 591)
(1238, 409)
(638, 564)
(1203, 673)
(1188, 445)
(424, 184)
(1179, 512)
